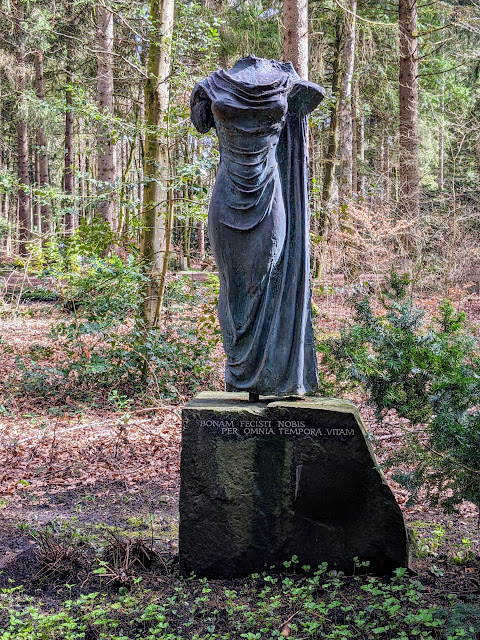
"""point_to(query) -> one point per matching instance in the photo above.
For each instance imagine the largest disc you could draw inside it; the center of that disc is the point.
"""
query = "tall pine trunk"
(24, 220)
(345, 120)
(68, 176)
(409, 198)
(331, 158)
(295, 35)
(41, 151)
(105, 161)
(156, 228)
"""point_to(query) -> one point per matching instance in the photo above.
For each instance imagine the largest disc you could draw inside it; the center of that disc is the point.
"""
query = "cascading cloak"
(259, 223)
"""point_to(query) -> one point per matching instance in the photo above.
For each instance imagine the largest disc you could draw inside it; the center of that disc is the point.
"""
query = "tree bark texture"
(354, 137)
(68, 179)
(24, 221)
(478, 156)
(106, 160)
(330, 160)
(408, 110)
(41, 151)
(360, 147)
(156, 160)
(345, 124)
(295, 35)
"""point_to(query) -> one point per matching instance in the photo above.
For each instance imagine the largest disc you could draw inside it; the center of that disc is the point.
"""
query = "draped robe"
(258, 223)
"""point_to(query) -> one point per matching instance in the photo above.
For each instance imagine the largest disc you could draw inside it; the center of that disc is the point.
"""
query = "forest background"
(108, 290)
(97, 157)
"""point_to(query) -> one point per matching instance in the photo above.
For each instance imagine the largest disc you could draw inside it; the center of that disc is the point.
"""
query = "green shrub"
(430, 374)
(104, 345)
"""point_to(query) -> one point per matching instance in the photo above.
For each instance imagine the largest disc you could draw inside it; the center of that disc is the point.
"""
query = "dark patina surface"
(263, 482)
(259, 222)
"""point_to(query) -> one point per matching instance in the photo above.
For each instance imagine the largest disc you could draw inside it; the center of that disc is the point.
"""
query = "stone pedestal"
(265, 481)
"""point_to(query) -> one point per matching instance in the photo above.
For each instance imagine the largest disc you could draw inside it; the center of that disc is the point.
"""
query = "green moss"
(235, 468)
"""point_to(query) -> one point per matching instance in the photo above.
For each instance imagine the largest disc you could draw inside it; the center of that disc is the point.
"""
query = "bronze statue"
(259, 222)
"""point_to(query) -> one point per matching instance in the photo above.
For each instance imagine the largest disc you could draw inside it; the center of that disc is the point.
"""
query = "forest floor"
(83, 471)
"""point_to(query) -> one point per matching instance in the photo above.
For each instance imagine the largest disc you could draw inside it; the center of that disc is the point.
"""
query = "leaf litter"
(54, 459)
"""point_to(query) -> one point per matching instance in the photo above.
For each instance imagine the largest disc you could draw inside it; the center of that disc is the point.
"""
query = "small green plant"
(464, 552)
(430, 545)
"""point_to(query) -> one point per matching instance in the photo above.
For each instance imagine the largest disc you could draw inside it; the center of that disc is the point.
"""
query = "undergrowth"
(324, 605)
(104, 345)
(430, 374)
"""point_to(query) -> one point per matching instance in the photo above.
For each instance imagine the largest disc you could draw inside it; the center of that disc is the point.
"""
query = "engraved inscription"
(250, 428)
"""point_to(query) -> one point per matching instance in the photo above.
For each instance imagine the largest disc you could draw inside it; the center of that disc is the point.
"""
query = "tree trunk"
(201, 239)
(441, 131)
(441, 155)
(477, 148)
(41, 152)
(295, 35)
(156, 160)
(345, 103)
(386, 171)
(68, 179)
(408, 110)
(22, 137)
(106, 161)
(82, 166)
(360, 145)
(354, 137)
(379, 165)
(332, 147)
(2, 213)
(37, 207)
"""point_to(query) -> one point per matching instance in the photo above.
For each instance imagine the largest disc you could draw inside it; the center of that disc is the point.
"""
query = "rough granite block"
(287, 476)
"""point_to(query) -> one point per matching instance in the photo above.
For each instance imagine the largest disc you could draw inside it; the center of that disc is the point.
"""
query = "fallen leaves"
(77, 451)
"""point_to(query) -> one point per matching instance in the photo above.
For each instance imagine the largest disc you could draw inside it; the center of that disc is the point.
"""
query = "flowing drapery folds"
(259, 222)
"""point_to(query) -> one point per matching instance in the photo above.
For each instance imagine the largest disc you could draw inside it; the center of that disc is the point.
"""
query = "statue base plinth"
(283, 477)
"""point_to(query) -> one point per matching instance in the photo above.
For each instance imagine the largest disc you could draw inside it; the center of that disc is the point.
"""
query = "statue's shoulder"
(200, 106)
(305, 96)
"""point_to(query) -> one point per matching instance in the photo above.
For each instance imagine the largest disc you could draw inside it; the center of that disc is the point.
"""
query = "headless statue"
(259, 223)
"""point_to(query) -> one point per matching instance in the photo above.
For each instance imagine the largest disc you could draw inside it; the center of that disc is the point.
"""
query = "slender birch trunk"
(154, 247)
